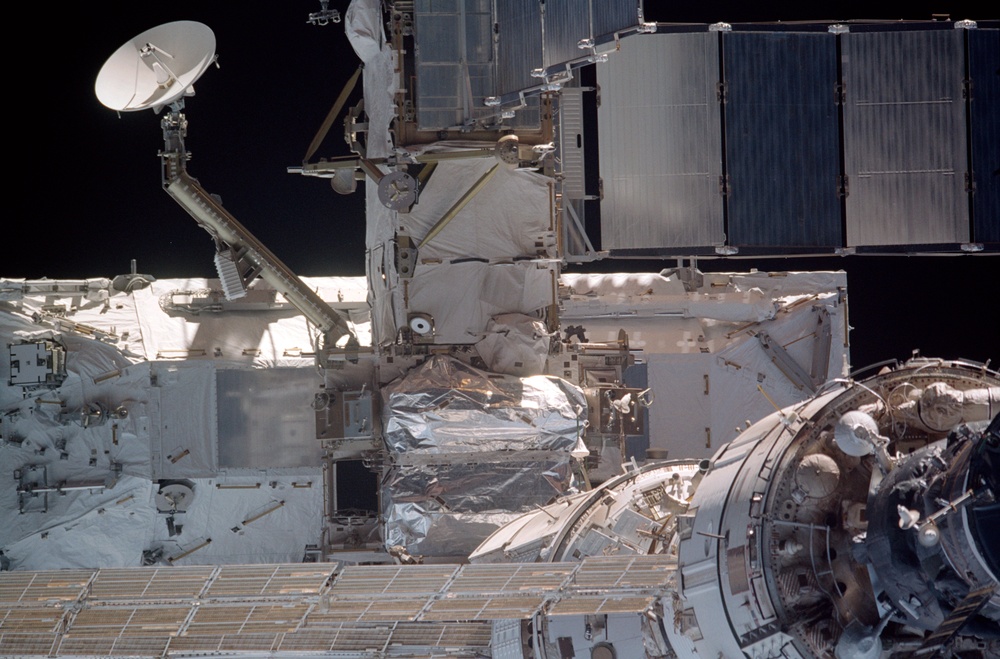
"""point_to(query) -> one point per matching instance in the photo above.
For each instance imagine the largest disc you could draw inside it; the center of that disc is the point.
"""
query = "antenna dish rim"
(157, 67)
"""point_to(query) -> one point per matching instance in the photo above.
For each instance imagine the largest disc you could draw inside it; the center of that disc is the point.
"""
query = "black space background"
(84, 191)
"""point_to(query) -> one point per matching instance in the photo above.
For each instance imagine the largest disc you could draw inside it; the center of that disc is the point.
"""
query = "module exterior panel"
(905, 138)
(984, 63)
(660, 143)
(571, 146)
(782, 139)
(264, 419)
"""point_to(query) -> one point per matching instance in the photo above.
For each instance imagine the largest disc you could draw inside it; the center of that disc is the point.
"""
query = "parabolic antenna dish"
(156, 67)
(343, 181)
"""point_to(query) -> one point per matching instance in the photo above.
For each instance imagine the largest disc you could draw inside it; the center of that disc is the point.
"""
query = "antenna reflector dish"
(421, 324)
(156, 67)
(343, 181)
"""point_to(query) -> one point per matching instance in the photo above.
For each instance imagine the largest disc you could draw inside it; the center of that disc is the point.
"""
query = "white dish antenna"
(156, 67)
(343, 181)
(421, 324)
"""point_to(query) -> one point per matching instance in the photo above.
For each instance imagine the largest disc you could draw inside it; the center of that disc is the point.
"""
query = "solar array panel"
(27, 588)
(470, 50)
(295, 608)
(800, 140)
(168, 583)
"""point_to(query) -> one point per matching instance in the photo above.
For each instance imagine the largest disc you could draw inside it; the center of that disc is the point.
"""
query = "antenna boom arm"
(210, 214)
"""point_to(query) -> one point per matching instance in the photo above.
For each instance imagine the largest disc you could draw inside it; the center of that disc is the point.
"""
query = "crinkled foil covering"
(470, 451)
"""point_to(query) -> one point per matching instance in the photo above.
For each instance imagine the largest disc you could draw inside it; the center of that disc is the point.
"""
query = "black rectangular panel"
(782, 139)
(984, 73)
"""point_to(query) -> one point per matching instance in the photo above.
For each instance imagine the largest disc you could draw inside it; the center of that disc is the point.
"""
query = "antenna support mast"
(157, 69)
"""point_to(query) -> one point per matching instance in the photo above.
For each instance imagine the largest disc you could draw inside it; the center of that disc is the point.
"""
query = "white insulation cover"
(462, 298)
(504, 220)
(515, 344)
(139, 408)
(363, 25)
(473, 450)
